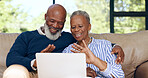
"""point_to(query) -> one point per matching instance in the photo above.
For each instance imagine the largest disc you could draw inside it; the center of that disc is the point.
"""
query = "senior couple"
(100, 58)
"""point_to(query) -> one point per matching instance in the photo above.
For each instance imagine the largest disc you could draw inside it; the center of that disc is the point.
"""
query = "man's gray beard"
(49, 35)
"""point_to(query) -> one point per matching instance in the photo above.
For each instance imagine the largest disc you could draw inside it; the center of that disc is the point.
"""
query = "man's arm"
(18, 52)
(91, 72)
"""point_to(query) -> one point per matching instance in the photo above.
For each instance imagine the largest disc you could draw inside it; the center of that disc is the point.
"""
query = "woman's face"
(79, 27)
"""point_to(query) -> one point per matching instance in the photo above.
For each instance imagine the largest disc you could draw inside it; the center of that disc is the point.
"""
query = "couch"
(134, 45)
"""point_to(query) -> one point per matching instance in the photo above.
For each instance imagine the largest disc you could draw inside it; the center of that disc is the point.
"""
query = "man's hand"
(48, 49)
(91, 72)
(120, 54)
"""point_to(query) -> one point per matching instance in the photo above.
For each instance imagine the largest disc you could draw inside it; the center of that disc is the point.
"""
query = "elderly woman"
(97, 51)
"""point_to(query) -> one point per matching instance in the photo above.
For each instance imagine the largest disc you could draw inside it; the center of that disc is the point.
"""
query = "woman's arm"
(107, 68)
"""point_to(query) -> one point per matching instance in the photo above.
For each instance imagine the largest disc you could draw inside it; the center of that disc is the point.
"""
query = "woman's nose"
(76, 29)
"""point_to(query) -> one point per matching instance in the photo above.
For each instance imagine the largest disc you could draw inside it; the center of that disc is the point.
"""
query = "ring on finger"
(119, 58)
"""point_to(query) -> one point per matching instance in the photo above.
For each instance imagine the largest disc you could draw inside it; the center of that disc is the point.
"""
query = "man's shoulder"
(29, 32)
(67, 34)
(64, 32)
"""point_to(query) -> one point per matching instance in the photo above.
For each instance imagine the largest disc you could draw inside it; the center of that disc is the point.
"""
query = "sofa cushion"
(142, 71)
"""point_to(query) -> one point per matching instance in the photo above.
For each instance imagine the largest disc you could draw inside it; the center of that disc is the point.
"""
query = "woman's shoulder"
(68, 49)
(100, 41)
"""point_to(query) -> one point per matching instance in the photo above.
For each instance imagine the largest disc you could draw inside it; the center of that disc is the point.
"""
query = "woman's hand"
(89, 55)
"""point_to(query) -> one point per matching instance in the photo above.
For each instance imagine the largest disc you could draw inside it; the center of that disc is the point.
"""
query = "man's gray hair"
(83, 13)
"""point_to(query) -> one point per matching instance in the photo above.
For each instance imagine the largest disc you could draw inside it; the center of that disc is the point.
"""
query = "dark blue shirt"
(29, 43)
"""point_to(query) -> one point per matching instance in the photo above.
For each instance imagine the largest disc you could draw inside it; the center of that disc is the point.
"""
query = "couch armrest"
(142, 71)
(6, 41)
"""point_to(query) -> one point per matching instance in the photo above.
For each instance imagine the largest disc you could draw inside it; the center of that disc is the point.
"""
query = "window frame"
(127, 14)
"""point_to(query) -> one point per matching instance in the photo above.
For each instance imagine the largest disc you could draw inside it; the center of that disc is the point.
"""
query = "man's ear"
(45, 16)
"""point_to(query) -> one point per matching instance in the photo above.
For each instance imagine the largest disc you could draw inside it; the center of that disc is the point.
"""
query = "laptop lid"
(61, 65)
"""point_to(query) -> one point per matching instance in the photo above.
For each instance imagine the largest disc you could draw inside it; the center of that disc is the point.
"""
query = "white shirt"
(102, 49)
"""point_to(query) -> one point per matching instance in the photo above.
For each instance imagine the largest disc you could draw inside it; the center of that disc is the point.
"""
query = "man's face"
(55, 21)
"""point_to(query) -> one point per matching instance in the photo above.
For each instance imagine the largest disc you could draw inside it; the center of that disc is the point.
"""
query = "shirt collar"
(40, 31)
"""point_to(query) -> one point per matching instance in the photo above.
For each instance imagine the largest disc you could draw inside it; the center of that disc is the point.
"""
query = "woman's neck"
(87, 41)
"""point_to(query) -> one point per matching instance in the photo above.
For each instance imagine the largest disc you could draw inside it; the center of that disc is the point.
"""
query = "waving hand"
(79, 49)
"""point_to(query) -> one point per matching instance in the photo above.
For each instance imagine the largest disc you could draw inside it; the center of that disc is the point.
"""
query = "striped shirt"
(102, 49)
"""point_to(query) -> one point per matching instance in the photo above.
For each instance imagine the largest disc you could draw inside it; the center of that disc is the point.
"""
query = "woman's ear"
(89, 27)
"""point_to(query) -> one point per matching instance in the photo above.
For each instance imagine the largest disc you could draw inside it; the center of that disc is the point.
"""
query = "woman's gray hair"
(83, 13)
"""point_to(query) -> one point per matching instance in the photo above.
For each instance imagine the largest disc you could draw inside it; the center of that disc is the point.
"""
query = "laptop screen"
(61, 65)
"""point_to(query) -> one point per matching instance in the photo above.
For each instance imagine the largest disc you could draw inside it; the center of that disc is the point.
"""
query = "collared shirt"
(102, 49)
(40, 31)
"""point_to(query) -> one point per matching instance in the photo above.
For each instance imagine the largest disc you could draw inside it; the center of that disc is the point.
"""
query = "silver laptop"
(61, 65)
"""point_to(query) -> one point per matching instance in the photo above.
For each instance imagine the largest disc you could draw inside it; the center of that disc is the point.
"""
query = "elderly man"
(21, 61)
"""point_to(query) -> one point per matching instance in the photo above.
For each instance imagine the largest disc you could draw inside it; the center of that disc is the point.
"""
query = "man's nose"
(55, 25)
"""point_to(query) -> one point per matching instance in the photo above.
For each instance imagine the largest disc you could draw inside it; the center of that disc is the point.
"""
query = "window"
(115, 16)
(97, 9)
(128, 16)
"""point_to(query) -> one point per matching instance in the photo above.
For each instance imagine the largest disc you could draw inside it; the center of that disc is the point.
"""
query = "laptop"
(61, 65)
